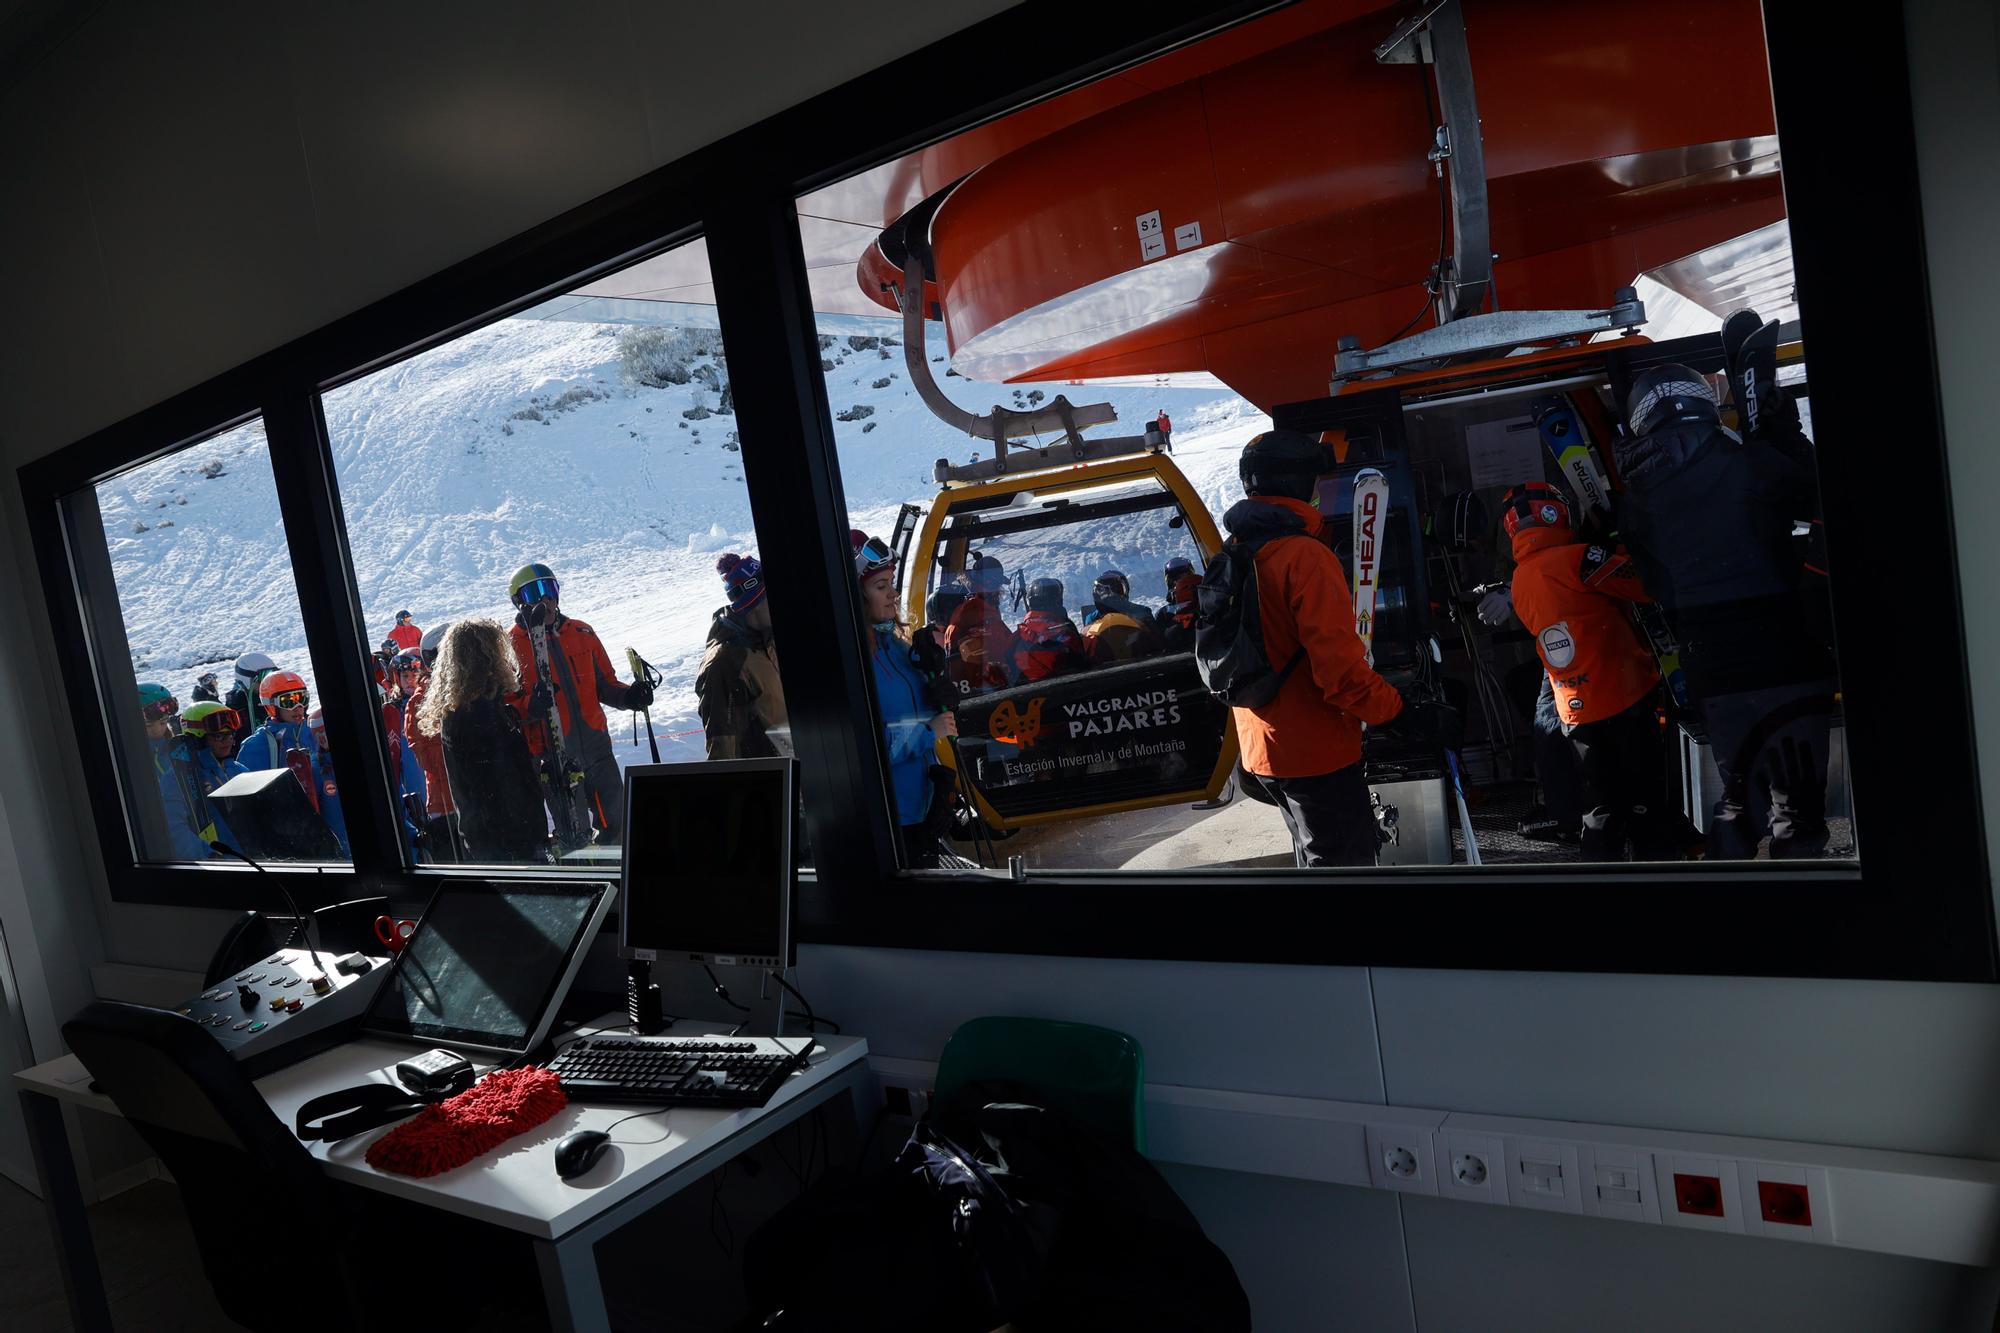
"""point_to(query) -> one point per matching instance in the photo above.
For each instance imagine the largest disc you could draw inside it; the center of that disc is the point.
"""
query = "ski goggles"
(160, 711)
(219, 723)
(290, 699)
(536, 590)
(410, 660)
(872, 557)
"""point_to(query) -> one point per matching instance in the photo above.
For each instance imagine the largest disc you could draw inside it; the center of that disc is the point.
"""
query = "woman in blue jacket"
(909, 723)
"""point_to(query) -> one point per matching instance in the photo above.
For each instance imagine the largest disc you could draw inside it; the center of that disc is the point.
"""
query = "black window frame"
(1890, 916)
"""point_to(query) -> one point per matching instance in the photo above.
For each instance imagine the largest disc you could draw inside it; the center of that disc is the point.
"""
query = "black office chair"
(283, 1245)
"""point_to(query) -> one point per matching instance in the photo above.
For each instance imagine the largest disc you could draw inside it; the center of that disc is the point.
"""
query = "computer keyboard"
(678, 1071)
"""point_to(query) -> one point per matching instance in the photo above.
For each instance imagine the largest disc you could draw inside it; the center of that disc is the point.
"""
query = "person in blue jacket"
(284, 694)
(324, 785)
(160, 711)
(910, 723)
(209, 732)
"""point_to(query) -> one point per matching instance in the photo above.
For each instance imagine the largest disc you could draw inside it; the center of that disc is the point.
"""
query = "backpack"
(1229, 630)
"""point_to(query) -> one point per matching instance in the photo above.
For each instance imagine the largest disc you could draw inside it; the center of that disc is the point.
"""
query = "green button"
(257, 1027)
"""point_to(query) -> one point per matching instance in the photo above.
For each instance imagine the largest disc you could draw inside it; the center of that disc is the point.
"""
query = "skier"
(405, 634)
(405, 772)
(911, 723)
(243, 699)
(326, 788)
(1163, 424)
(209, 729)
(284, 697)
(1709, 518)
(941, 605)
(502, 811)
(1122, 629)
(1305, 744)
(544, 638)
(205, 690)
(967, 669)
(738, 692)
(441, 815)
(1164, 618)
(160, 712)
(987, 580)
(1047, 642)
(1176, 619)
(1574, 599)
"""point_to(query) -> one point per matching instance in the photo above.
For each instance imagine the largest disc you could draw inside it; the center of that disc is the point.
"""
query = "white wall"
(184, 219)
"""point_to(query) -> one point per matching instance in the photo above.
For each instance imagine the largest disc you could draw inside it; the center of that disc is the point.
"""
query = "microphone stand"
(305, 921)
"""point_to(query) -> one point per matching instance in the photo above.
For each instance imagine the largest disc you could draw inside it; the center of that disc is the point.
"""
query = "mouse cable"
(641, 1115)
(812, 1020)
(722, 991)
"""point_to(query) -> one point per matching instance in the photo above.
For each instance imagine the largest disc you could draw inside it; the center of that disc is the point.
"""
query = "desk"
(514, 1186)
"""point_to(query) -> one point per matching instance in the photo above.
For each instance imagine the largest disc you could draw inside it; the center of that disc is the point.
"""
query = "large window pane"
(554, 550)
(203, 658)
(1587, 562)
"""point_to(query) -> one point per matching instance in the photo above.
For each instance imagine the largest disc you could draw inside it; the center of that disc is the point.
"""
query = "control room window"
(1544, 573)
(207, 687)
(557, 565)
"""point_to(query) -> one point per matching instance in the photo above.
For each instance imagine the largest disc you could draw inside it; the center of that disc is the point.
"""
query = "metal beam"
(1465, 288)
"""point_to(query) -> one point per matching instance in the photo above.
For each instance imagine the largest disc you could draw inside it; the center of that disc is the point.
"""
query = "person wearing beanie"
(741, 699)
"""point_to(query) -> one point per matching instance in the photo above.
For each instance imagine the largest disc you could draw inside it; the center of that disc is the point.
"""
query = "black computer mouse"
(578, 1152)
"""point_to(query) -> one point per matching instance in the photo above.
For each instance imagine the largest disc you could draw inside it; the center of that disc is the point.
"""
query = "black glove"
(926, 653)
(541, 700)
(638, 696)
(1428, 720)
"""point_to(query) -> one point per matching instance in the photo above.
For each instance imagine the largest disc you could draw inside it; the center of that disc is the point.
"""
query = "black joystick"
(246, 997)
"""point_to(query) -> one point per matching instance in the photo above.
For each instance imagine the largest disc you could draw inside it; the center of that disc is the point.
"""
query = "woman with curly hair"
(501, 817)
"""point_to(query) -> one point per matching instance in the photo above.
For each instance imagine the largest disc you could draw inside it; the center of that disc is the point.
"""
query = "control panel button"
(294, 1005)
(240, 1025)
(277, 1004)
(321, 985)
(259, 1026)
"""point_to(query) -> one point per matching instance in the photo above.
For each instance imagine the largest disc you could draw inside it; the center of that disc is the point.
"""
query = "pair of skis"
(558, 773)
(1371, 530)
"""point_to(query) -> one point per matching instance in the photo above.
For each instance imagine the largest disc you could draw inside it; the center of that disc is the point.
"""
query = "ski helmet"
(1111, 583)
(1045, 595)
(433, 639)
(209, 718)
(283, 689)
(986, 575)
(206, 678)
(402, 616)
(948, 598)
(871, 554)
(1176, 567)
(1534, 504)
(742, 579)
(409, 659)
(156, 701)
(533, 583)
(1670, 395)
(254, 664)
(1284, 462)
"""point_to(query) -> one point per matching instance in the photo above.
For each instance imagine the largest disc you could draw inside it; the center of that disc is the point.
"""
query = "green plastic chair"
(1092, 1073)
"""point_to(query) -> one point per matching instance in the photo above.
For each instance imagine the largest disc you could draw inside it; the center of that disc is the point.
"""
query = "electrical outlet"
(1543, 1175)
(1403, 1157)
(1786, 1202)
(1471, 1166)
(1698, 1192)
(1618, 1182)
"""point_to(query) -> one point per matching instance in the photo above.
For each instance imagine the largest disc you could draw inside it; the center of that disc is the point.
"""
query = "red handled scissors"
(394, 934)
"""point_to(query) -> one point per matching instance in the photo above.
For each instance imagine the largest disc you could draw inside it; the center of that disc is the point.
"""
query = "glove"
(927, 654)
(638, 696)
(541, 700)
(1496, 608)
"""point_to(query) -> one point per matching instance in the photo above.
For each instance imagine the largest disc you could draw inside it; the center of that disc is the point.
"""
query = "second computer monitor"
(708, 863)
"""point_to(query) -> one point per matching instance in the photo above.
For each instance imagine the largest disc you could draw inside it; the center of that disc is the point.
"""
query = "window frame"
(1885, 917)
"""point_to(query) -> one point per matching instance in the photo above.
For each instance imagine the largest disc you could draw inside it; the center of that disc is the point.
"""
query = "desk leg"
(62, 1196)
(570, 1285)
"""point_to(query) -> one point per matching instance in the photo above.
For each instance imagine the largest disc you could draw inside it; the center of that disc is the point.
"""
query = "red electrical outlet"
(1701, 1195)
(1787, 1205)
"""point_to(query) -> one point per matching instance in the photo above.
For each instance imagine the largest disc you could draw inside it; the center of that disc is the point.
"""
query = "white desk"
(515, 1186)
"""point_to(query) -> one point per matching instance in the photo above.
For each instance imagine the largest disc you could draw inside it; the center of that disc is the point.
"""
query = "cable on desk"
(812, 1020)
(640, 1115)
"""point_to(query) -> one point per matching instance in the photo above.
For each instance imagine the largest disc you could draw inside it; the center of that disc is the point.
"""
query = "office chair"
(1093, 1074)
(282, 1245)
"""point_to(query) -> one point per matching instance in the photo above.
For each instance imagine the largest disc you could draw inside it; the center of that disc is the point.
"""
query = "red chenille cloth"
(478, 1120)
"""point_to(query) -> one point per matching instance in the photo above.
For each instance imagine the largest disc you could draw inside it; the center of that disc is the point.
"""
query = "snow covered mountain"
(606, 451)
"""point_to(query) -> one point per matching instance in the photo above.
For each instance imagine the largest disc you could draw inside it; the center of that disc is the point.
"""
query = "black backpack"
(1229, 630)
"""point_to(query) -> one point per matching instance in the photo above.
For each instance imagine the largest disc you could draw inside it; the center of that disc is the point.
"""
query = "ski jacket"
(970, 678)
(1573, 599)
(1047, 643)
(429, 751)
(181, 800)
(404, 770)
(583, 677)
(1122, 631)
(210, 773)
(265, 747)
(1313, 726)
(976, 610)
(407, 637)
(327, 789)
(500, 811)
(1708, 519)
(906, 725)
(739, 694)
(239, 699)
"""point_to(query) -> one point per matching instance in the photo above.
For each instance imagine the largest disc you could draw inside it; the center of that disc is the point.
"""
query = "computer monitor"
(708, 874)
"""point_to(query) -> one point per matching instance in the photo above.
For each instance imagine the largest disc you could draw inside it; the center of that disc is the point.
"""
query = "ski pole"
(1464, 813)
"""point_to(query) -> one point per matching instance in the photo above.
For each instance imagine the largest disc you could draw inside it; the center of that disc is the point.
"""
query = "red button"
(293, 1006)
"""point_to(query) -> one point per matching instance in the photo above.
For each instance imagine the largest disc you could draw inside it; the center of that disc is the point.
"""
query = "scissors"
(394, 934)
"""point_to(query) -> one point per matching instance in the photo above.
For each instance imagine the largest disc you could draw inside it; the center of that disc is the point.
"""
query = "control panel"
(284, 998)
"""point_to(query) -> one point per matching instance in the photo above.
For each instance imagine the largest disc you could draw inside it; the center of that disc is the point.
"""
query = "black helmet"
(1284, 462)
(1670, 394)
(1176, 567)
(1045, 595)
(947, 599)
(1111, 583)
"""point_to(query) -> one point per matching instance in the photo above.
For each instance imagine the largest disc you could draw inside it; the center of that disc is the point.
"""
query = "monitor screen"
(488, 965)
(708, 862)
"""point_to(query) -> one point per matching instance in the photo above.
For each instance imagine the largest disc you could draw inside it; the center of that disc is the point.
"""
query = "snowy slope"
(531, 440)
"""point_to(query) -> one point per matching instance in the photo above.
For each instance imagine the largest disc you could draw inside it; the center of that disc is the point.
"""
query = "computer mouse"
(578, 1152)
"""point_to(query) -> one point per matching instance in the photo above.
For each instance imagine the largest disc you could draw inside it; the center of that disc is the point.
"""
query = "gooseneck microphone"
(305, 922)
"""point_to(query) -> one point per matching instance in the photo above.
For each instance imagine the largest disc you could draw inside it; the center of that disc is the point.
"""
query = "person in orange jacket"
(583, 676)
(1573, 598)
(1305, 745)
(987, 580)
